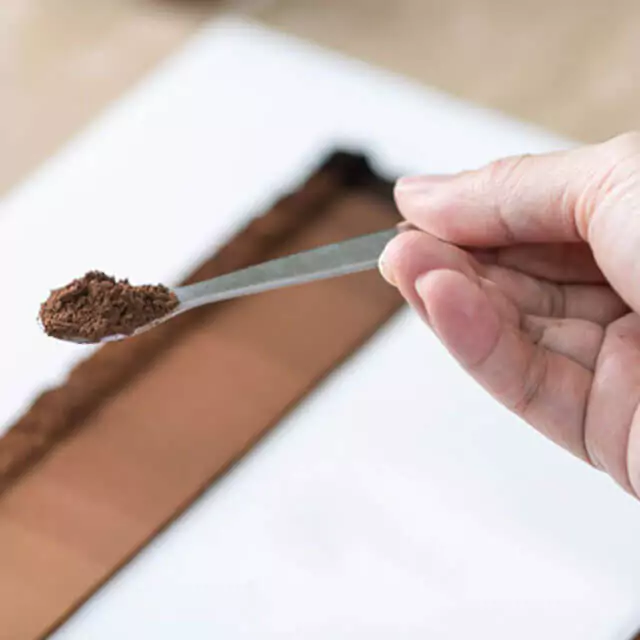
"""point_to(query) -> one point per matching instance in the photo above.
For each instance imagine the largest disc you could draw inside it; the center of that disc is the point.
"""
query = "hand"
(542, 306)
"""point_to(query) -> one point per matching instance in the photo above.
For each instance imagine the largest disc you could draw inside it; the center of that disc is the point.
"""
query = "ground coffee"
(97, 306)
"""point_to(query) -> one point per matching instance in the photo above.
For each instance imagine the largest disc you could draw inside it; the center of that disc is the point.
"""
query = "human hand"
(542, 308)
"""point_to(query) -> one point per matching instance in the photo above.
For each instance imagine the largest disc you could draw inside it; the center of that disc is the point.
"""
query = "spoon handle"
(350, 256)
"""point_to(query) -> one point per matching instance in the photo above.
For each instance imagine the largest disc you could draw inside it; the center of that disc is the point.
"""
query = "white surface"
(399, 501)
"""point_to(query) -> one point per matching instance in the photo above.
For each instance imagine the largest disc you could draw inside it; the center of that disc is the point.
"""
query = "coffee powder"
(97, 306)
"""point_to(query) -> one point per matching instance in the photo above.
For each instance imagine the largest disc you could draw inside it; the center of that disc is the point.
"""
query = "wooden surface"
(570, 65)
(62, 61)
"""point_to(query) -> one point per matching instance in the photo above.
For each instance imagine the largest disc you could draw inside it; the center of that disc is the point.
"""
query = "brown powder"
(97, 306)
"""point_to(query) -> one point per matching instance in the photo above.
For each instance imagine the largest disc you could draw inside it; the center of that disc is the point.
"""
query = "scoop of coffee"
(97, 306)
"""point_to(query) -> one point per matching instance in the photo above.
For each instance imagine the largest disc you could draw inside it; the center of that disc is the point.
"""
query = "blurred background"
(569, 65)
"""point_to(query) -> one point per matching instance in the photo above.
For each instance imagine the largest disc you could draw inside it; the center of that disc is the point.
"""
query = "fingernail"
(413, 184)
(385, 268)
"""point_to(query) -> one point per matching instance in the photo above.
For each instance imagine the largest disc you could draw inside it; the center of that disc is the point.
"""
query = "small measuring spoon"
(342, 258)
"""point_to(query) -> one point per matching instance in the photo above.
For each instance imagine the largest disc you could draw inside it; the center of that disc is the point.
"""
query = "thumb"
(589, 194)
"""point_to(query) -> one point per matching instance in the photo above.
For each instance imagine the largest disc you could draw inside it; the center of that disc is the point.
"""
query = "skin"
(542, 305)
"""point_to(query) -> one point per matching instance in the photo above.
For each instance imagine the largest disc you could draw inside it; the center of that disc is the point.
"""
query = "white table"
(398, 501)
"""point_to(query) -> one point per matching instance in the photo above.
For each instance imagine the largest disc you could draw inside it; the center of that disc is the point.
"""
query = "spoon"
(342, 258)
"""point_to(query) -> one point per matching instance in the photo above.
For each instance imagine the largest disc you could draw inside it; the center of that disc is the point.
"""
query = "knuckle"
(613, 173)
(506, 171)
(498, 185)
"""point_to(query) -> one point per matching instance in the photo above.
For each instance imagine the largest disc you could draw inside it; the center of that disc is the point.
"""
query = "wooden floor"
(570, 65)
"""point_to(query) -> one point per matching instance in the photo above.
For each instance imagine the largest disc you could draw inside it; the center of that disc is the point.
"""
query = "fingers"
(576, 380)
(590, 194)
(414, 253)
(561, 262)
(545, 388)
(514, 200)
(525, 199)
(539, 373)
(594, 303)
